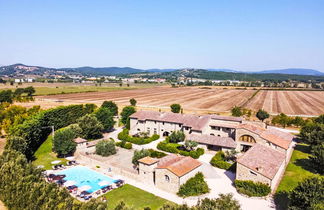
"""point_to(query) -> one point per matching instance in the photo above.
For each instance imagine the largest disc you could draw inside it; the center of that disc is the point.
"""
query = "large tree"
(91, 127)
(105, 148)
(317, 158)
(132, 101)
(236, 111)
(312, 133)
(262, 115)
(175, 108)
(111, 106)
(309, 194)
(106, 118)
(139, 154)
(63, 143)
(126, 112)
(6, 96)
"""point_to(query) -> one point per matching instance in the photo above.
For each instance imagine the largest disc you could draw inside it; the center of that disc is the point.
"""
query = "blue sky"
(233, 34)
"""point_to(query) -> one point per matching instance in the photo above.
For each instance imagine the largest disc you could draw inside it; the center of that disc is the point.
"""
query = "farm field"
(199, 100)
(191, 99)
(289, 102)
(63, 88)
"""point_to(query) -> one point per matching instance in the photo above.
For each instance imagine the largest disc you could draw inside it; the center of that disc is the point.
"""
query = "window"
(155, 122)
(155, 132)
(163, 123)
(138, 129)
(251, 172)
(247, 138)
(167, 178)
(212, 134)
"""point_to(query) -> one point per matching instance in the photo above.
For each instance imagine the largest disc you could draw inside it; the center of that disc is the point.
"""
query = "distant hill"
(297, 71)
(103, 70)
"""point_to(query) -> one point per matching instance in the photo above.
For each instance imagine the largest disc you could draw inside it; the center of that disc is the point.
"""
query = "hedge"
(36, 128)
(124, 136)
(219, 161)
(194, 186)
(156, 154)
(170, 147)
(252, 189)
(124, 144)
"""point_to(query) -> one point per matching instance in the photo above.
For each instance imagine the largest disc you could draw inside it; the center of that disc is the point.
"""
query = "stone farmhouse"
(268, 147)
(169, 172)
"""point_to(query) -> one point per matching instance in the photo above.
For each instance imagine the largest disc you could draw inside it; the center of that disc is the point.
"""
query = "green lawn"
(44, 155)
(297, 170)
(134, 197)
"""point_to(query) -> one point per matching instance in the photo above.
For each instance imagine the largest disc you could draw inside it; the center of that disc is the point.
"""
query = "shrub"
(106, 118)
(175, 108)
(252, 189)
(139, 154)
(219, 161)
(194, 186)
(124, 136)
(126, 112)
(172, 148)
(124, 144)
(111, 106)
(176, 136)
(156, 154)
(105, 148)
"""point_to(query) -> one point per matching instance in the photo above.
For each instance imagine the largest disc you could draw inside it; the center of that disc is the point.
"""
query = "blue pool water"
(85, 176)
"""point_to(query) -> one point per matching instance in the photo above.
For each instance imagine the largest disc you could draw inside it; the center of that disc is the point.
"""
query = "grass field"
(44, 155)
(62, 88)
(297, 170)
(134, 197)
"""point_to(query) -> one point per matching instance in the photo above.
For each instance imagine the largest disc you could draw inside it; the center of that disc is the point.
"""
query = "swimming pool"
(83, 176)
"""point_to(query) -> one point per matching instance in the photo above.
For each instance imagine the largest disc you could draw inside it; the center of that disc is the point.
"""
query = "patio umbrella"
(85, 188)
(55, 161)
(103, 183)
(69, 183)
(70, 158)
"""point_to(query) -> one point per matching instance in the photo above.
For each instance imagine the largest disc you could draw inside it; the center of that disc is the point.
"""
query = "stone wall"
(189, 175)
(244, 173)
(146, 172)
(160, 180)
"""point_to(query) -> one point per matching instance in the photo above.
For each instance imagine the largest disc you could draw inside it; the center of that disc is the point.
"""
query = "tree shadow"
(303, 148)
(305, 164)
(281, 200)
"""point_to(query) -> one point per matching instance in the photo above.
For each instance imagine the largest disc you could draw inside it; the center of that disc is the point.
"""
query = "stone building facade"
(168, 173)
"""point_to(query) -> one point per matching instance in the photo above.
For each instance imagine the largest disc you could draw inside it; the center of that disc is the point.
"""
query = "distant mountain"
(161, 70)
(87, 70)
(223, 70)
(296, 71)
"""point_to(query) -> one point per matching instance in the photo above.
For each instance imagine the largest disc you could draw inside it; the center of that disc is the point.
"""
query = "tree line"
(19, 94)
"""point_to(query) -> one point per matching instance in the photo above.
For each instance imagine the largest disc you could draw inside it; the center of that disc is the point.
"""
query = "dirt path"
(2, 206)
(2, 144)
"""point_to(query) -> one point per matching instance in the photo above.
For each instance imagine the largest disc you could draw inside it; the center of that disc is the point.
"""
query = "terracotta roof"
(193, 121)
(148, 160)
(213, 140)
(79, 140)
(224, 125)
(228, 118)
(272, 135)
(263, 160)
(179, 165)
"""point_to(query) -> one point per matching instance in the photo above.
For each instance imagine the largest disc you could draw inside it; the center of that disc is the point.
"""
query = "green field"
(44, 155)
(297, 170)
(62, 88)
(134, 197)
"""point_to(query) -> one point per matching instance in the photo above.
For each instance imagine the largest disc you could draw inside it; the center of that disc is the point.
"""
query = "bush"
(124, 144)
(219, 161)
(105, 148)
(194, 186)
(124, 136)
(139, 154)
(252, 189)
(156, 154)
(172, 148)
(176, 136)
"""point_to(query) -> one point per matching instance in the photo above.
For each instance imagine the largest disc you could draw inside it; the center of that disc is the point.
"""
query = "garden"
(140, 139)
(225, 160)
(176, 144)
